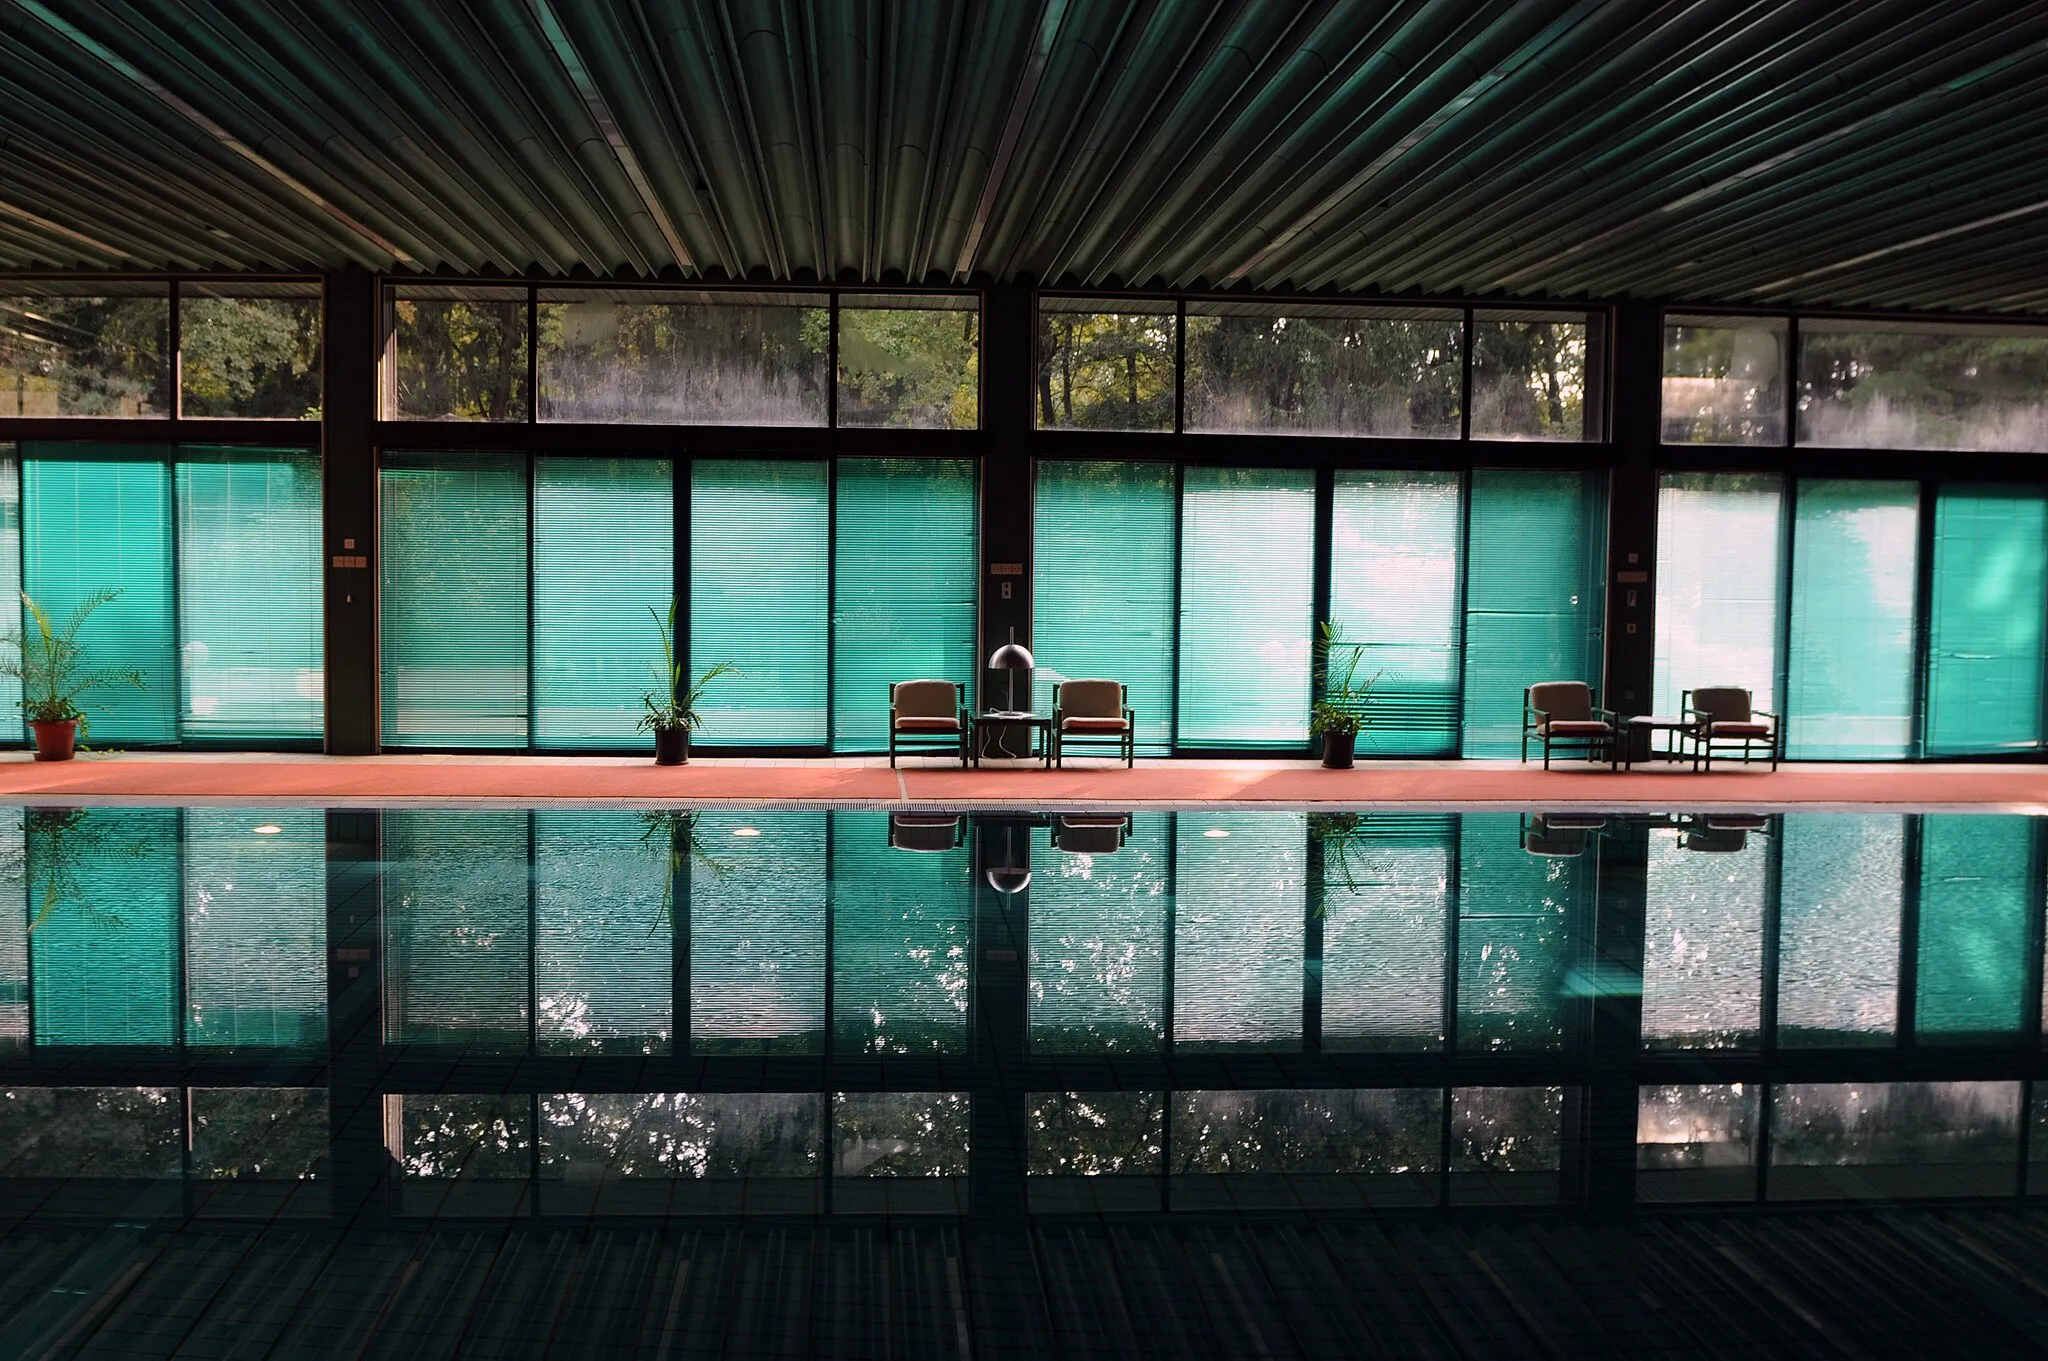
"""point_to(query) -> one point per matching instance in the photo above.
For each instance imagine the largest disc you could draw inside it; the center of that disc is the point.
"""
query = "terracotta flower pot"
(671, 746)
(56, 741)
(1338, 749)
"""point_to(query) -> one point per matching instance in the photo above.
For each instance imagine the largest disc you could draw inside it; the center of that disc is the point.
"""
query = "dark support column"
(1636, 366)
(1006, 492)
(348, 475)
(997, 1138)
(1611, 973)
(355, 993)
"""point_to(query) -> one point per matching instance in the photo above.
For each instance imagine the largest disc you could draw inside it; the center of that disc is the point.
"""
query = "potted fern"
(50, 663)
(672, 707)
(1339, 715)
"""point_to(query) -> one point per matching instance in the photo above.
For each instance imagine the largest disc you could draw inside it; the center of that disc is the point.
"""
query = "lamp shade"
(1011, 657)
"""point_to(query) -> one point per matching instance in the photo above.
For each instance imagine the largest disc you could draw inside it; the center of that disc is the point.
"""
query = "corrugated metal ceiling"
(1881, 153)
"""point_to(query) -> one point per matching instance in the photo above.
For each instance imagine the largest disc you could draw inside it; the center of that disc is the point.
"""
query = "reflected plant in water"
(1343, 837)
(58, 844)
(673, 832)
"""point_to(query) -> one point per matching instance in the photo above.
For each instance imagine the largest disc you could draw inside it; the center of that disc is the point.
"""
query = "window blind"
(249, 594)
(604, 945)
(1386, 908)
(453, 610)
(902, 943)
(93, 523)
(104, 952)
(1977, 896)
(256, 928)
(1849, 669)
(1515, 913)
(1719, 539)
(457, 930)
(1534, 599)
(760, 598)
(1098, 945)
(1102, 585)
(11, 723)
(1841, 890)
(1239, 930)
(603, 556)
(904, 581)
(1247, 563)
(1984, 652)
(757, 934)
(1394, 563)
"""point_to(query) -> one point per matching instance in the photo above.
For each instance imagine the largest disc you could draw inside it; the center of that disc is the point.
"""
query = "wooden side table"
(986, 723)
(1649, 725)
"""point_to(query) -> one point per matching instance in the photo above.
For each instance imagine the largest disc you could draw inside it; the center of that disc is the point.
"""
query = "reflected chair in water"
(1720, 833)
(1722, 716)
(1563, 714)
(1094, 713)
(1560, 836)
(925, 715)
(926, 831)
(1091, 833)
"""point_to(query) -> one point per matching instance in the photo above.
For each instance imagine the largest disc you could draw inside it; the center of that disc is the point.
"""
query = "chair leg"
(1546, 751)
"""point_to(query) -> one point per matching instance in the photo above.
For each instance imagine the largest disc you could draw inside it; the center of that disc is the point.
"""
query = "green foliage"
(84, 356)
(693, 361)
(1335, 375)
(1343, 706)
(1529, 380)
(673, 705)
(462, 359)
(917, 368)
(251, 357)
(50, 663)
(1105, 370)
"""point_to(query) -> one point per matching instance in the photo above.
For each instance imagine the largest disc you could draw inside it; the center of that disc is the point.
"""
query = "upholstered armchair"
(1723, 719)
(925, 715)
(1093, 713)
(1563, 714)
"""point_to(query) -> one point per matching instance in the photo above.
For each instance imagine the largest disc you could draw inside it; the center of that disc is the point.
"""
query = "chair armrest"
(1612, 719)
(1763, 713)
(1130, 716)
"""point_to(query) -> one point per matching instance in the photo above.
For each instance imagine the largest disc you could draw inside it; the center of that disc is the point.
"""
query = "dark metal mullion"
(1908, 1005)
(1464, 580)
(1315, 906)
(1452, 901)
(1923, 618)
(1180, 504)
(1766, 1101)
(1166, 1011)
(1767, 1009)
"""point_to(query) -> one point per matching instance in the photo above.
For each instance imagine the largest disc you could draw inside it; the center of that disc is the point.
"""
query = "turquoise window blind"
(1098, 945)
(1386, 921)
(1239, 930)
(1537, 557)
(1977, 894)
(249, 594)
(757, 934)
(1849, 672)
(1984, 653)
(1514, 915)
(604, 947)
(1246, 597)
(96, 523)
(1395, 545)
(760, 598)
(603, 556)
(256, 928)
(903, 587)
(1102, 585)
(454, 601)
(1719, 544)
(1841, 889)
(104, 948)
(457, 930)
(11, 729)
(902, 943)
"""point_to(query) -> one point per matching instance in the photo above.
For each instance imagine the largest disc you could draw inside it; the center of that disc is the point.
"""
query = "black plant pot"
(671, 746)
(1338, 749)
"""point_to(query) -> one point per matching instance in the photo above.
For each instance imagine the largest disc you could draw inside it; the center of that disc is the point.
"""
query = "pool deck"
(868, 782)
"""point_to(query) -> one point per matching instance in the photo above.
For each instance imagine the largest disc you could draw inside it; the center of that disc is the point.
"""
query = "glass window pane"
(259, 1133)
(85, 349)
(457, 942)
(1529, 377)
(256, 928)
(907, 565)
(458, 353)
(1239, 930)
(899, 1134)
(910, 361)
(465, 1138)
(603, 575)
(1396, 540)
(603, 932)
(250, 608)
(92, 524)
(1870, 1140)
(1514, 913)
(251, 351)
(1098, 944)
(1534, 595)
(100, 1132)
(757, 918)
(902, 942)
(1310, 370)
(1978, 894)
(1855, 568)
(683, 358)
(1105, 370)
(760, 573)
(1901, 385)
(1724, 380)
(1841, 892)
(1703, 941)
(1102, 592)
(454, 607)
(1095, 1134)
(1697, 1142)
(1984, 643)
(1506, 1144)
(1386, 896)
(1247, 569)
(1719, 536)
(104, 901)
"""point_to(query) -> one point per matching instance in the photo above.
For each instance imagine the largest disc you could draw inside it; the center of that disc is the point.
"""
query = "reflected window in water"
(1386, 901)
(1098, 937)
(604, 934)
(1978, 895)
(1703, 944)
(757, 933)
(1239, 930)
(1506, 1144)
(1514, 911)
(457, 923)
(1841, 889)
(1878, 1139)
(1697, 1142)
(902, 939)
